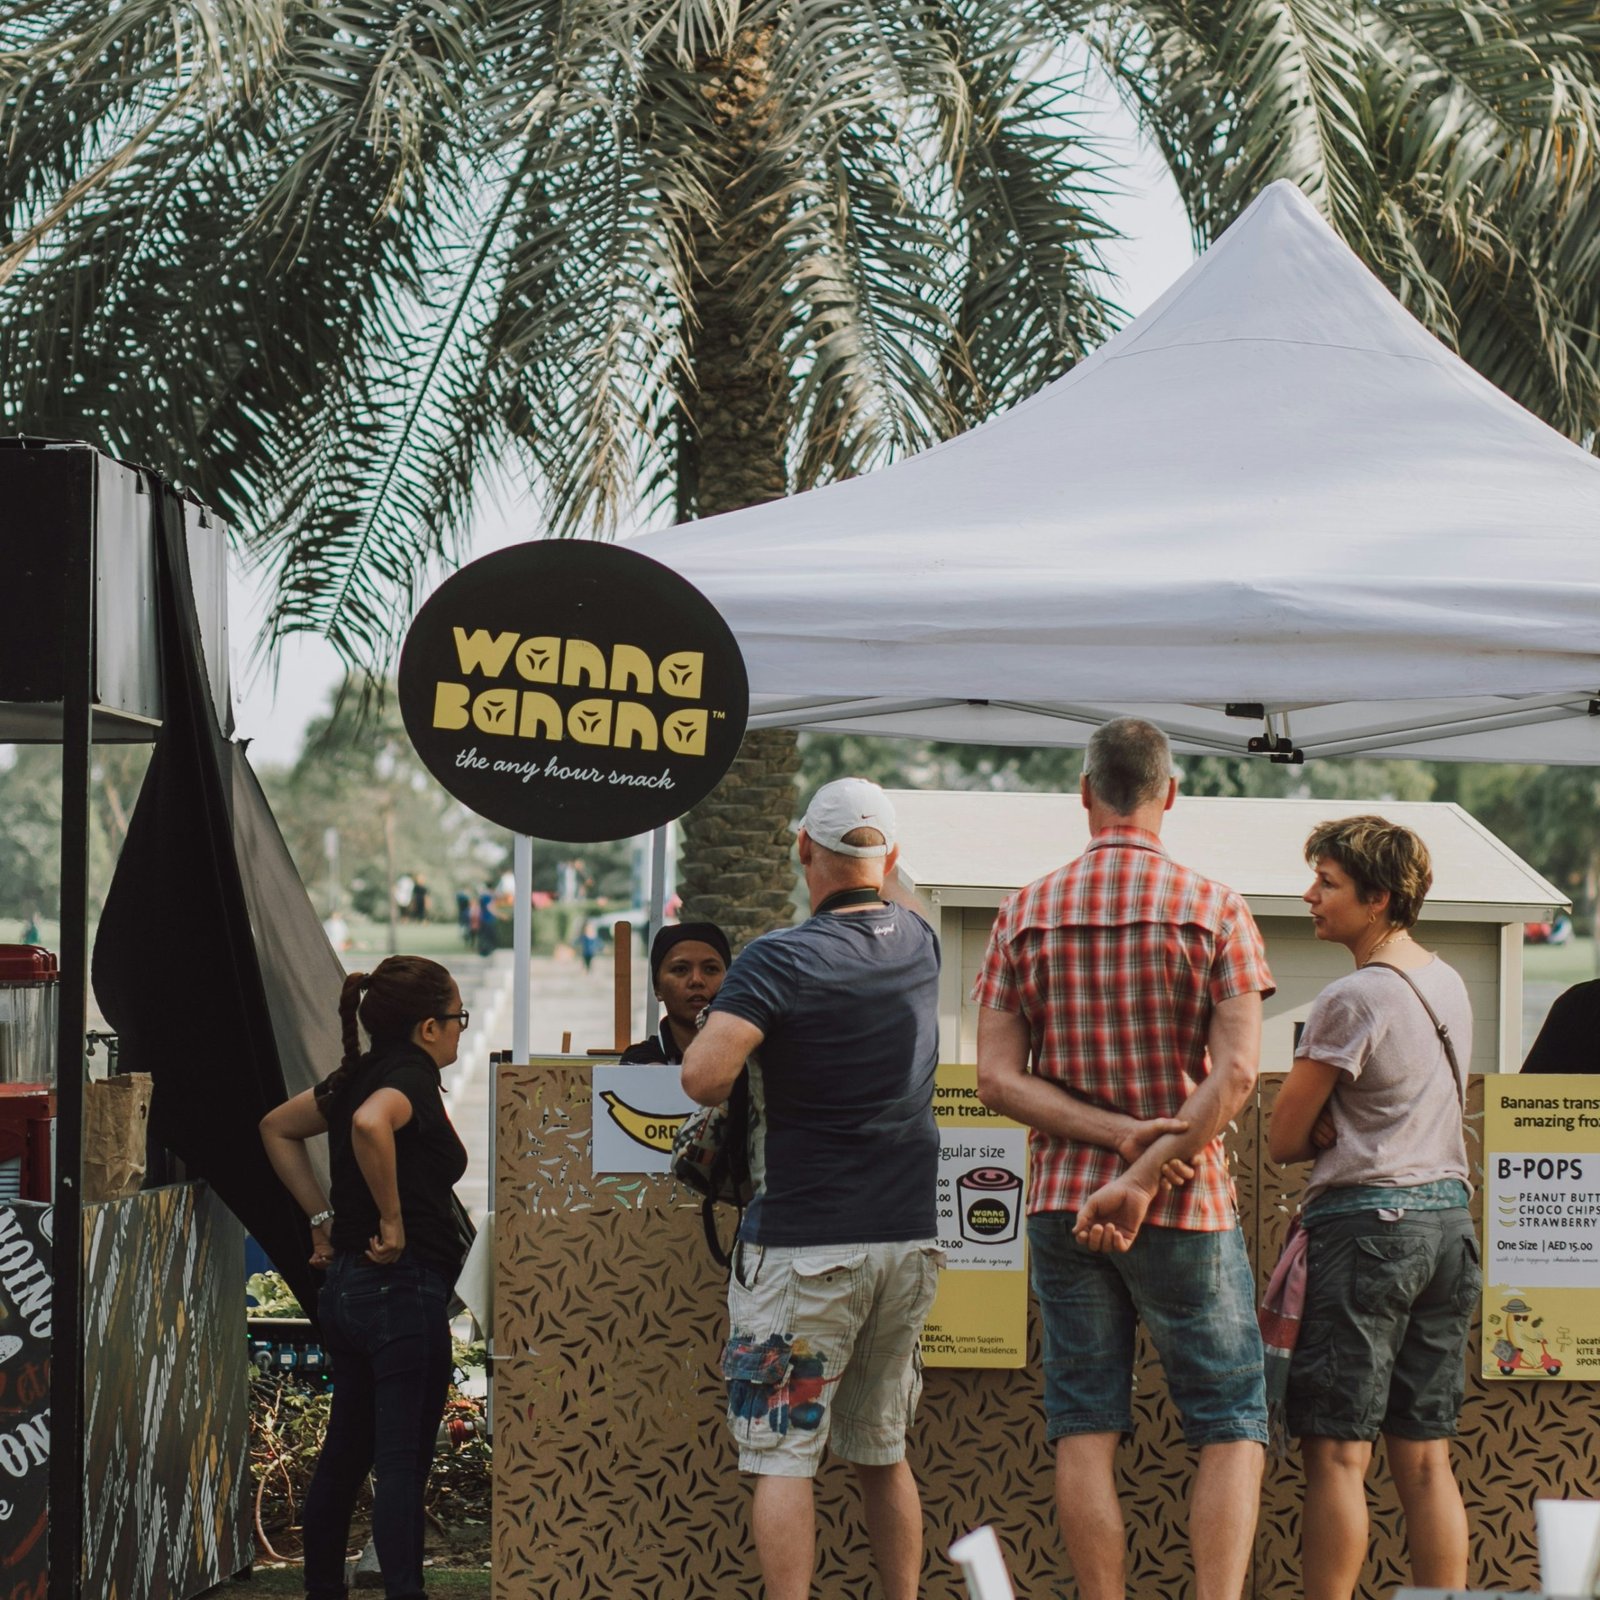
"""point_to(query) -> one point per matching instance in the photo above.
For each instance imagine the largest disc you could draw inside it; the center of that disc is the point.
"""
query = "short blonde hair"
(1377, 855)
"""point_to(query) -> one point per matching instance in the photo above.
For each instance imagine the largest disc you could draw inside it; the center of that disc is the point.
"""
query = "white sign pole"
(521, 955)
(658, 904)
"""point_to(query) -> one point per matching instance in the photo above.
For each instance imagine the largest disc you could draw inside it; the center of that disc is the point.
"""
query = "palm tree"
(326, 265)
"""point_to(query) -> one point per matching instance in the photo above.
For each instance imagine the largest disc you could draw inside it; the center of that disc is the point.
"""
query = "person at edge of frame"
(836, 1262)
(1569, 1039)
(1137, 985)
(688, 961)
(388, 1242)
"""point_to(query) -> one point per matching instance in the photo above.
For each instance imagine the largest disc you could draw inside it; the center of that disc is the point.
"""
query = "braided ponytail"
(349, 999)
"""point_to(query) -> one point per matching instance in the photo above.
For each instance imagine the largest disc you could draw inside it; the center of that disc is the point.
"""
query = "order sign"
(573, 690)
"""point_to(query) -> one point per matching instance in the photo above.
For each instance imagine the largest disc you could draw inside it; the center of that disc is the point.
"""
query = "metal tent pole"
(658, 908)
(66, 1342)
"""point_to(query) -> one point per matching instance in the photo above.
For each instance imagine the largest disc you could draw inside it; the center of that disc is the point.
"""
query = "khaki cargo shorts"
(823, 1346)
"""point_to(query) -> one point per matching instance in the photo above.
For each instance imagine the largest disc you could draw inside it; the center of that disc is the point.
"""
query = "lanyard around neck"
(842, 898)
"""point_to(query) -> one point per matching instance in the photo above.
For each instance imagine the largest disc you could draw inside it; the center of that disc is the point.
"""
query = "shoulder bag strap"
(1438, 1027)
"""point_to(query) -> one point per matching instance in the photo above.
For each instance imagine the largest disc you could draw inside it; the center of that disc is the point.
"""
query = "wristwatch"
(320, 1218)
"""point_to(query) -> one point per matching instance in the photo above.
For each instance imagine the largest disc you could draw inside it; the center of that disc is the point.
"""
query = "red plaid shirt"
(1116, 960)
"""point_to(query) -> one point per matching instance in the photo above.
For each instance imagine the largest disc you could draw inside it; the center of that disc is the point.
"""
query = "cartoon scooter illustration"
(1508, 1353)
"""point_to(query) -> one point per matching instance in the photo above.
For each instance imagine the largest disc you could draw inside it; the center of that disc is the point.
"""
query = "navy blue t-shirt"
(843, 1144)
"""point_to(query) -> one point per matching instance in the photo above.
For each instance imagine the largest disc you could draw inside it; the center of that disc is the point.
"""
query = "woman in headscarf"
(688, 961)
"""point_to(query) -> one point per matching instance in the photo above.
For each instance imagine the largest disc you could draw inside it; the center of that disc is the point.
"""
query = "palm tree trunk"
(735, 868)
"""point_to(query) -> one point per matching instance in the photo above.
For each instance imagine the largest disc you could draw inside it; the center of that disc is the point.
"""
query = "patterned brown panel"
(615, 1477)
(166, 1394)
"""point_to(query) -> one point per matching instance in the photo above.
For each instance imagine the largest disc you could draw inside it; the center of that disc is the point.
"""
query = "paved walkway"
(565, 999)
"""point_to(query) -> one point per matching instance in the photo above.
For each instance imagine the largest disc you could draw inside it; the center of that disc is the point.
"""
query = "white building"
(963, 853)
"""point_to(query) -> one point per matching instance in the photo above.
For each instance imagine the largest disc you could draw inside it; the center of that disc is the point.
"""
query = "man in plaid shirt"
(1136, 986)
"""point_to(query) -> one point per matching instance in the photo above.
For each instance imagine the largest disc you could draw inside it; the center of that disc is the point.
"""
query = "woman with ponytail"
(388, 1240)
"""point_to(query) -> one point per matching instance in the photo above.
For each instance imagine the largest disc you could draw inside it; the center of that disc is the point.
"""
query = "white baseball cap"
(843, 805)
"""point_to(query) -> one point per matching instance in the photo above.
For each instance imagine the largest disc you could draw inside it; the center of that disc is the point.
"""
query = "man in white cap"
(836, 1262)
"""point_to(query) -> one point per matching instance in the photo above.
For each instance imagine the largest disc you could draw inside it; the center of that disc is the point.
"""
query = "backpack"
(710, 1154)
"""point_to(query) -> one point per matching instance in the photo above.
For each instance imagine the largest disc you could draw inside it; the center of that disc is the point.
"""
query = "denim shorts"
(1383, 1344)
(824, 1346)
(1194, 1293)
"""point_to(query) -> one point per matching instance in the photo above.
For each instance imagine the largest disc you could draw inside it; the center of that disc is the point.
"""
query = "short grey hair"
(1128, 764)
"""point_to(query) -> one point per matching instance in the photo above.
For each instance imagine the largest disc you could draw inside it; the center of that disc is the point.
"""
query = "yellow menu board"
(980, 1316)
(1541, 1207)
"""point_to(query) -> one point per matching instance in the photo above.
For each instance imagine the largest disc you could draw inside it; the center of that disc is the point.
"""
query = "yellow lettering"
(495, 710)
(629, 661)
(685, 732)
(536, 658)
(478, 652)
(582, 659)
(540, 713)
(450, 705)
(635, 725)
(589, 722)
(681, 673)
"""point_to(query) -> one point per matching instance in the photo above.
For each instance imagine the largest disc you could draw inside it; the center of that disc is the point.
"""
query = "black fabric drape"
(175, 966)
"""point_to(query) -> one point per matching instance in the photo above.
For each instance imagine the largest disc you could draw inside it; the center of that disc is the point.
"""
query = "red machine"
(28, 1000)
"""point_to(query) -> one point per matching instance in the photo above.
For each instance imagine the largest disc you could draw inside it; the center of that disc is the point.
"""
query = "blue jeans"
(1195, 1294)
(388, 1334)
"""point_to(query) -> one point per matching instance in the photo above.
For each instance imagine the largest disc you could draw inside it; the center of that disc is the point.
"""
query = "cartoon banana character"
(652, 1129)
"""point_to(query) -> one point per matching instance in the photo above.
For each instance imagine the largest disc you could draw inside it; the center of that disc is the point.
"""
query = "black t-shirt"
(429, 1160)
(659, 1050)
(1569, 1041)
(843, 1144)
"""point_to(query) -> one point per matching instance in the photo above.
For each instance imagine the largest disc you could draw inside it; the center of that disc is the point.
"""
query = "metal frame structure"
(66, 1352)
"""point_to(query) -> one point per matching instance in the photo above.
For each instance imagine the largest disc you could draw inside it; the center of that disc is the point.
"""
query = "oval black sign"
(573, 690)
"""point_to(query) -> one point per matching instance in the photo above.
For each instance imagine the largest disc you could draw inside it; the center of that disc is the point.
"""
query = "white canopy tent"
(1274, 492)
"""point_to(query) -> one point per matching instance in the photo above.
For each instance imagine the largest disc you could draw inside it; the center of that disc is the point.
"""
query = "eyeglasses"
(462, 1016)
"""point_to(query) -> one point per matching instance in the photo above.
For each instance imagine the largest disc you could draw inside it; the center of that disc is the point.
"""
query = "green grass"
(1560, 963)
(291, 1580)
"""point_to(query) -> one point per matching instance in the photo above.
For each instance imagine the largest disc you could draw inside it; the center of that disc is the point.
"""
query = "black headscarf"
(677, 932)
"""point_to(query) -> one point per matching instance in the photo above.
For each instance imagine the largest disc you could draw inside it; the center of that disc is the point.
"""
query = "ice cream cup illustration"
(990, 1199)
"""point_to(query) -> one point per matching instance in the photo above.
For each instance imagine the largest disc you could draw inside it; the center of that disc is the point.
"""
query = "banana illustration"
(652, 1129)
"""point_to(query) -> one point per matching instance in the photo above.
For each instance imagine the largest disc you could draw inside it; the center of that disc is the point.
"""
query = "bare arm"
(716, 1055)
(1005, 1085)
(284, 1131)
(372, 1129)
(1298, 1109)
(1113, 1214)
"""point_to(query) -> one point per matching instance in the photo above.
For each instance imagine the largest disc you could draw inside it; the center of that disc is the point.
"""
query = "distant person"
(466, 922)
(30, 930)
(688, 961)
(338, 932)
(404, 886)
(1374, 1101)
(487, 931)
(837, 1261)
(387, 1238)
(1569, 1041)
(418, 908)
(588, 944)
(1119, 993)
